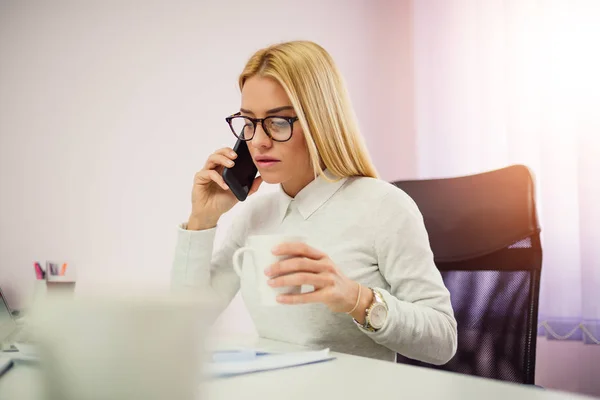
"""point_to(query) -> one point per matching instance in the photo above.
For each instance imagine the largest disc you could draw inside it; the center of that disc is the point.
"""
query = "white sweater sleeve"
(420, 322)
(197, 270)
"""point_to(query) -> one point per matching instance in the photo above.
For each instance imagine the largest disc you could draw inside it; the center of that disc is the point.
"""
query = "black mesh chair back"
(484, 234)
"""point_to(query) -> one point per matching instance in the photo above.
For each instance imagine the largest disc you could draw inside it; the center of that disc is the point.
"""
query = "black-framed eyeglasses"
(279, 129)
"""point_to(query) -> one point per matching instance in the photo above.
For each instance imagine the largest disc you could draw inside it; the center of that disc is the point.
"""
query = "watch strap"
(377, 298)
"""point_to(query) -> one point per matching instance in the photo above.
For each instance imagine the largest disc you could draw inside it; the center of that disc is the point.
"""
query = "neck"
(296, 184)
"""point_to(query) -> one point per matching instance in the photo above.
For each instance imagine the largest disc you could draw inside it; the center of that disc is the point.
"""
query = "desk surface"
(347, 377)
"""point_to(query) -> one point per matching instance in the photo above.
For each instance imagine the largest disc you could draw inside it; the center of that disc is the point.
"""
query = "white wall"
(567, 365)
(108, 108)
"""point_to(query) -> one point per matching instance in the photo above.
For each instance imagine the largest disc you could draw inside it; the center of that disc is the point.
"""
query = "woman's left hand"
(308, 266)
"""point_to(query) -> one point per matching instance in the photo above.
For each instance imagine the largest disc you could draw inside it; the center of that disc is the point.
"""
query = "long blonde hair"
(319, 96)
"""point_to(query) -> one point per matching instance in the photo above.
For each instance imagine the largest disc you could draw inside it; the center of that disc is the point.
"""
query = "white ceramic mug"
(257, 254)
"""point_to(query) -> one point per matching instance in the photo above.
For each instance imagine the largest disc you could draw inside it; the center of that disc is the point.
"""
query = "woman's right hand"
(211, 196)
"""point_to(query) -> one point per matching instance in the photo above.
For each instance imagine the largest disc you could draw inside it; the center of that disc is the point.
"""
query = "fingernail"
(230, 163)
(275, 249)
(280, 299)
(268, 271)
(232, 154)
(271, 282)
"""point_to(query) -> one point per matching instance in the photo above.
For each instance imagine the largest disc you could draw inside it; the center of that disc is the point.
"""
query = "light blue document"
(247, 361)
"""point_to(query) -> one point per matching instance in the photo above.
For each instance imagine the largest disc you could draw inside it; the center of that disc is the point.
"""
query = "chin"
(271, 177)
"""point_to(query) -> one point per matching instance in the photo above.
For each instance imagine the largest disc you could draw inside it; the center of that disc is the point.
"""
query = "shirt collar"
(312, 196)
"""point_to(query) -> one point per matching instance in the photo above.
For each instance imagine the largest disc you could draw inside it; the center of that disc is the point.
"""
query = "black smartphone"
(239, 178)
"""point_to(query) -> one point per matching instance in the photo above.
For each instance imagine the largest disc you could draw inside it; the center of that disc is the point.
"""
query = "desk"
(347, 377)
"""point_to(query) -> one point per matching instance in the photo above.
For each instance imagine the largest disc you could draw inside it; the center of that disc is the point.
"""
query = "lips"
(265, 161)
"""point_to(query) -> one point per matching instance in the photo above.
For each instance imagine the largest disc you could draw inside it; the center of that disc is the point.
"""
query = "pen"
(236, 355)
(43, 270)
(39, 274)
(5, 364)
(63, 269)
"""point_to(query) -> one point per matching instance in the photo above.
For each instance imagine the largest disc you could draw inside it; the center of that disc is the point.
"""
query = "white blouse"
(375, 235)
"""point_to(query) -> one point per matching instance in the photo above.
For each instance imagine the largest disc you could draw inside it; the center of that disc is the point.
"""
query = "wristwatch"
(376, 314)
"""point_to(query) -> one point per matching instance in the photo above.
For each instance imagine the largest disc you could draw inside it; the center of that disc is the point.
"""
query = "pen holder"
(57, 285)
(58, 282)
(60, 278)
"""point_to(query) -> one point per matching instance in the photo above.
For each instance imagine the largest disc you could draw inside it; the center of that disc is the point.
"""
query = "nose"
(261, 139)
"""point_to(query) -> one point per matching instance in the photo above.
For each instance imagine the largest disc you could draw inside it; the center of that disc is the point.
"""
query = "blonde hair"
(319, 96)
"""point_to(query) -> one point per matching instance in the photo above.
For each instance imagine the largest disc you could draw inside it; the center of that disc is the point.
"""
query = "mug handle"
(237, 259)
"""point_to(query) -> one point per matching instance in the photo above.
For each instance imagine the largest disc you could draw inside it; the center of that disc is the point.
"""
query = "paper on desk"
(266, 363)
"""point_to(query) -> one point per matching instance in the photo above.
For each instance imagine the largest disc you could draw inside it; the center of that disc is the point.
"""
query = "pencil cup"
(60, 279)
(55, 286)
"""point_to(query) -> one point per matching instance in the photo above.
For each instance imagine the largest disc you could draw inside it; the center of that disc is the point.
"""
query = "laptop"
(14, 336)
(8, 325)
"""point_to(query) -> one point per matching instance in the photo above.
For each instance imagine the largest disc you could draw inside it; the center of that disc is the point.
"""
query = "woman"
(377, 290)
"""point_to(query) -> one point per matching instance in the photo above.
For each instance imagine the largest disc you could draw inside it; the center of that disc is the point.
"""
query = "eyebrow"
(272, 111)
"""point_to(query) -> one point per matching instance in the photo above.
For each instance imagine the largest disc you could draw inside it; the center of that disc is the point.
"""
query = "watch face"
(378, 316)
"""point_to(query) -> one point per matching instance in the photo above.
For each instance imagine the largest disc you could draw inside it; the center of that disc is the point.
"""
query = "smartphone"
(239, 178)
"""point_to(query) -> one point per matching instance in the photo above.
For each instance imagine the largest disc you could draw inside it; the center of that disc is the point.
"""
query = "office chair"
(485, 238)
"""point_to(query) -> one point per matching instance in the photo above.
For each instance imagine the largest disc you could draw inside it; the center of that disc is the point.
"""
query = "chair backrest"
(484, 233)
